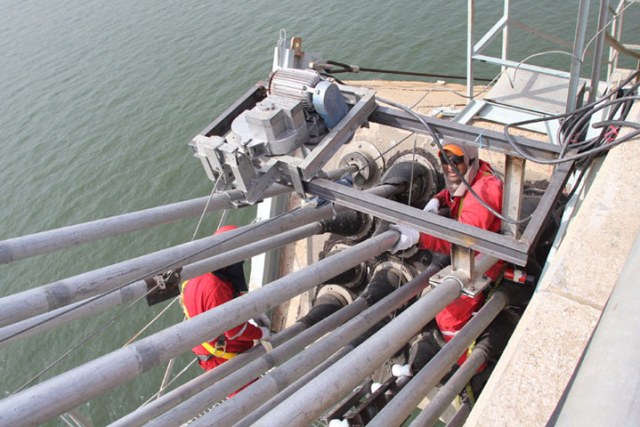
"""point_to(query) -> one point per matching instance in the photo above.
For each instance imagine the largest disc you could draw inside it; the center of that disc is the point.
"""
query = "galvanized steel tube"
(277, 380)
(461, 416)
(233, 381)
(396, 411)
(335, 383)
(60, 238)
(138, 289)
(23, 305)
(29, 303)
(189, 389)
(284, 394)
(59, 394)
(450, 390)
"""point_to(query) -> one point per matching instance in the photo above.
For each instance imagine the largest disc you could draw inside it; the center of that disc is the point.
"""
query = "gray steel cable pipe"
(138, 289)
(232, 382)
(430, 415)
(199, 383)
(26, 304)
(190, 399)
(52, 240)
(461, 416)
(284, 394)
(275, 381)
(81, 384)
(35, 301)
(400, 407)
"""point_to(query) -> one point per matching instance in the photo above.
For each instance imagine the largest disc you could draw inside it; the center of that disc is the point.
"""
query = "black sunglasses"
(456, 160)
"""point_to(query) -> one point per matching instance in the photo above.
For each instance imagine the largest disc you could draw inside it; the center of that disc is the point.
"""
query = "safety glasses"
(456, 160)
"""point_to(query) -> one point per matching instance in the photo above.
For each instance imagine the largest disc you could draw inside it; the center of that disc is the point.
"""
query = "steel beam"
(542, 212)
(494, 244)
(495, 141)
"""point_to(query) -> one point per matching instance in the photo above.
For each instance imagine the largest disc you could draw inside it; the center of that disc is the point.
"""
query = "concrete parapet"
(548, 343)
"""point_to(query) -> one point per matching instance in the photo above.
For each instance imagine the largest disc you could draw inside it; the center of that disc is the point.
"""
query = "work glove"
(266, 333)
(398, 370)
(432, 206)
(408, 237)
(262, 320)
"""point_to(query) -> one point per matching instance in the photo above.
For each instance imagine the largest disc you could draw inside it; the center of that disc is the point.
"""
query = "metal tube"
(189, 389)
(448, 392)
(396, 411)
(61, 238)
(470, 43)
(32, 302)
(229, 383)
(250, 398)
(24, 305)
(284, 394)
(326, 389)
(576, 61)
(68, 390)
(599, 50)
(461, 416)
(138, 289)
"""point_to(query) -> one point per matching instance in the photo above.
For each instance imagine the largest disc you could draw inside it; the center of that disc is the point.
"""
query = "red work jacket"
(468, 210)
(208, 291)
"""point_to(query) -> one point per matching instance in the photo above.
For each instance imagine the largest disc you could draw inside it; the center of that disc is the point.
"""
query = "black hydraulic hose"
(345, 68)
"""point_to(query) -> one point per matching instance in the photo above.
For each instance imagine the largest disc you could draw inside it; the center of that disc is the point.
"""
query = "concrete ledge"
(544, 351)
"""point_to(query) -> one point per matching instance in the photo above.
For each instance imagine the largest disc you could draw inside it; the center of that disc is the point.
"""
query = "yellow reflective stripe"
(217, 353)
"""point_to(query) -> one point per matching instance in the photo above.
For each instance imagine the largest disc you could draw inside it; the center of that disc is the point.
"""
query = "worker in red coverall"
(458, 203)
(210, 290)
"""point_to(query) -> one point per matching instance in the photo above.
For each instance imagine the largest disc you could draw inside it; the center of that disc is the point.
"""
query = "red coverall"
(468, 210)
(208, 291)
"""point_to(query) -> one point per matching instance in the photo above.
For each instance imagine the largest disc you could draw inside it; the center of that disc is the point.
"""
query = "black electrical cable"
(436, 139)
(580, 155)
(345, 68)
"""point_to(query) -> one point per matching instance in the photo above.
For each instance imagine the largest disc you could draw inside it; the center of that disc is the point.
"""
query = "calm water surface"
(99, 100)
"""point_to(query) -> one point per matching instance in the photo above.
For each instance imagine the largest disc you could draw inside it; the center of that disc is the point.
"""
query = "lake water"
(99, 101)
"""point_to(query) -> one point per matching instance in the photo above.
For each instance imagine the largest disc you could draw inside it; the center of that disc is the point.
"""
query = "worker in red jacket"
(458, 203)
(210, 290)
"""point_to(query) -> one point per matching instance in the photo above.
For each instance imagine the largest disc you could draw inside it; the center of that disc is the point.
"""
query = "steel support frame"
(509, 247)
